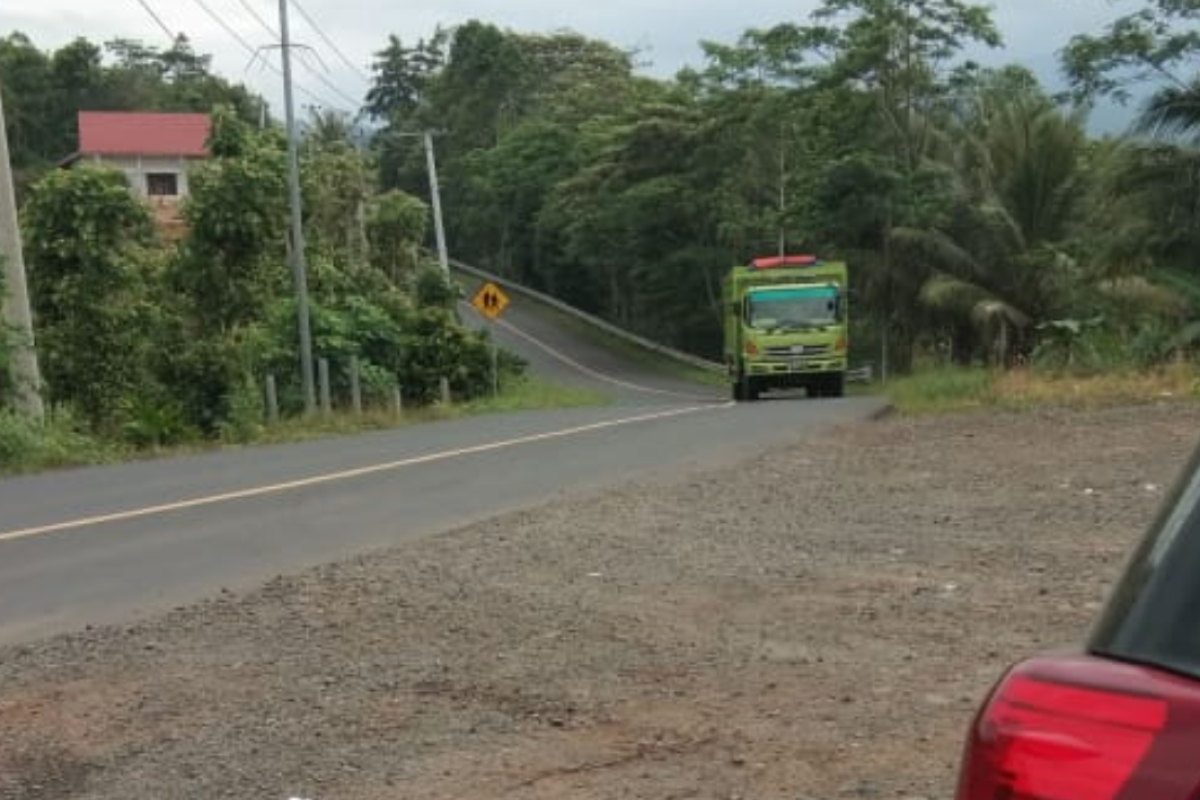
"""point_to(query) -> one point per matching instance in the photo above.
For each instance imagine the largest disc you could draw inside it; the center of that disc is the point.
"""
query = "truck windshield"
(792, 308)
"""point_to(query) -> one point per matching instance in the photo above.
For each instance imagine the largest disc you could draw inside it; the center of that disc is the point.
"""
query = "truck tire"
(745, 390)
(835, 385)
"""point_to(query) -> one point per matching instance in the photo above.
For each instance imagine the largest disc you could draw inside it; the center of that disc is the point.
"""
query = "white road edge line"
(600, 376)
(316, 480)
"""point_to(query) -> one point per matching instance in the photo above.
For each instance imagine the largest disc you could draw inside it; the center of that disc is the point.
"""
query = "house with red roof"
(155, 150)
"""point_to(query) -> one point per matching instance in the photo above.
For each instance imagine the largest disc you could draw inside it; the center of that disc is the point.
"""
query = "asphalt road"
(109, 545)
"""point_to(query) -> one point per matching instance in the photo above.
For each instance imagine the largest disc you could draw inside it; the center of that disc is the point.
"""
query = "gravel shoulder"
(817, 622)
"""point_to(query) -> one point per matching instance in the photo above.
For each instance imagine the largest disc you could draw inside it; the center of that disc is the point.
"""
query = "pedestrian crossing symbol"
(490, 301)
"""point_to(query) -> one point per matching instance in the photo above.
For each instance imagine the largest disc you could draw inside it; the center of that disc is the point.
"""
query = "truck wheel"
(835, 385)
(738, 391)
(750, 389)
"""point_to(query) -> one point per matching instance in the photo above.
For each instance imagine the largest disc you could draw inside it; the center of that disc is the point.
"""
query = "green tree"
(236, 215)
(228, 272)
(6, 378)
(1144, 209)
(403, 75)
(508, 187)
(479, 93)
(568, 78)
(77, 83)
(908, 55)
(625, 221)
(338, 183)
(1156, 45)
(85, 238)
(1001, 259)
(28, 103)
(396, 225)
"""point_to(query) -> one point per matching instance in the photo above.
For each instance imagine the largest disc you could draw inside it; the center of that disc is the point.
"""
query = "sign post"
(490, 301)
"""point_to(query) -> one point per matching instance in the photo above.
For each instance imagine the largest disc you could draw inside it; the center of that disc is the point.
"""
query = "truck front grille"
(799, 351)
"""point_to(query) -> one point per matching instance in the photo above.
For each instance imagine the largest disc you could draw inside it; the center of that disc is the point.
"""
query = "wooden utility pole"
(16, 316)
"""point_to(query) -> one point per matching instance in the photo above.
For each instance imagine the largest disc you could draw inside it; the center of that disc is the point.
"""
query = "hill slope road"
(109, 545)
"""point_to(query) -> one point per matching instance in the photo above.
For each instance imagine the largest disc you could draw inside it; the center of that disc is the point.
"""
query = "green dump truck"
(786, 326)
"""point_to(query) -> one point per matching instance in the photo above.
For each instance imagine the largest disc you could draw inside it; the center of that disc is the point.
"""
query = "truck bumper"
(795, 372)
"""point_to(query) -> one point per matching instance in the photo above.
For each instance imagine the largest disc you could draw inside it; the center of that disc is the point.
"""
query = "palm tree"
(1147, 206)
(997, 262)
(1173, 112)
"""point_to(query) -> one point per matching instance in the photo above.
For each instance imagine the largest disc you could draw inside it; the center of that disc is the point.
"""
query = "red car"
(1120, 719)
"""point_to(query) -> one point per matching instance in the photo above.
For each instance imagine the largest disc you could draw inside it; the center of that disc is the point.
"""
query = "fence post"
(272, 401)
(495, 353)
(323, 372)
(398, 401)
(356, 385)
(445, 387)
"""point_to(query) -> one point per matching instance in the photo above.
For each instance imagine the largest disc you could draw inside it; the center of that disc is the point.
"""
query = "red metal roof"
(124, 133)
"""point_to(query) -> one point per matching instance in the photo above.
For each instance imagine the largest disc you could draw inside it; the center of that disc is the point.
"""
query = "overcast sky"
(666, 31)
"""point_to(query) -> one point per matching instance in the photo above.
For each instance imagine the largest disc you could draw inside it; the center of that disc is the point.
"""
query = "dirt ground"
(818, 622)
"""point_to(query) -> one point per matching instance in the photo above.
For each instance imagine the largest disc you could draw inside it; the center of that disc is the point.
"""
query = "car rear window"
(1153, 616)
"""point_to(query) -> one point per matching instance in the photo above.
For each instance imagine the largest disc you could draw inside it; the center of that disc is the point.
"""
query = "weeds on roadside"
(27, 446)
(953, 389)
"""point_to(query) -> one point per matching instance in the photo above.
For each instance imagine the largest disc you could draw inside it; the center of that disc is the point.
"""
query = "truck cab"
(785, 326)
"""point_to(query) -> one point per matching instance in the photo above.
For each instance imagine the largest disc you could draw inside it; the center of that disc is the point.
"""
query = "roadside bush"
(245, 412)
(436, 347)
(26, 446)
(205, 375)
(6, 386)
(434, 290)
(155, 420)
(86, 238)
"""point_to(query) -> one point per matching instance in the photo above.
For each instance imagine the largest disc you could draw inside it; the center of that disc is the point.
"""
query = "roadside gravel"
(816, 622)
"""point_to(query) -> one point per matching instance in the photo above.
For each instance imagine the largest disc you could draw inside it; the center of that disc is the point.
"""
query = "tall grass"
(26, 446)
(943, 389)
(955, 389)
(528, 392)
(519, 394)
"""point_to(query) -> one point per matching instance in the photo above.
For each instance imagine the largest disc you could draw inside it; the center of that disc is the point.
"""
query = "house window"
(162, 184)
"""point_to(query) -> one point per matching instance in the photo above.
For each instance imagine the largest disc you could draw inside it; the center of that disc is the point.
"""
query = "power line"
(311, 70)
(217, 18)
(317, 28)
(170, 34)
(354, 103)
(311, 94)
(253, 51)
(274, 34)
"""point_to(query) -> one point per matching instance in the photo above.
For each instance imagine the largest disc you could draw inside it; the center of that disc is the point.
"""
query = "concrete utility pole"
(299, 267)
(431, 162)
(16, 316)
(435, 199)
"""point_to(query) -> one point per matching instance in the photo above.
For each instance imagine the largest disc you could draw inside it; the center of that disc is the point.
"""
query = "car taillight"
(1078, 728)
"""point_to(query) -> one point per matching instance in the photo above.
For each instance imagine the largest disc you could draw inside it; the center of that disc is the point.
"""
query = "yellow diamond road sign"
(490, 301)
